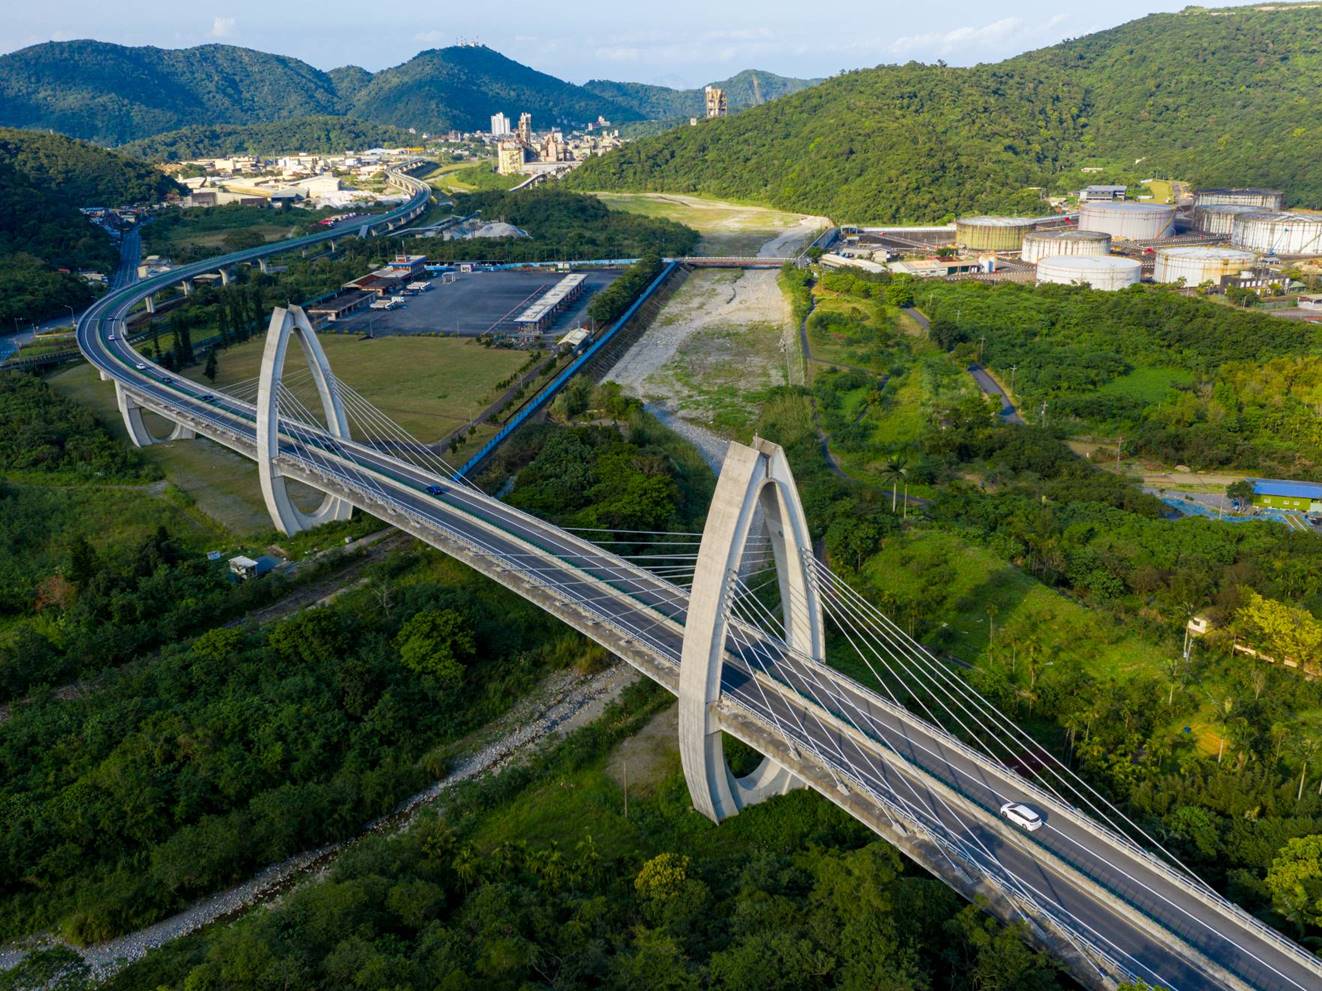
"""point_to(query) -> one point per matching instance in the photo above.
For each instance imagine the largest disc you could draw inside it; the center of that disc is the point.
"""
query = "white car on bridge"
(1022, 816)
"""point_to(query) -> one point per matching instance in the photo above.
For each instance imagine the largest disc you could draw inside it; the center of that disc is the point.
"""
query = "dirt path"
(564, 702)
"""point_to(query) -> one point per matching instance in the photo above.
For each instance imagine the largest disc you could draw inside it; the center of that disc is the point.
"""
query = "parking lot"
(475, 303)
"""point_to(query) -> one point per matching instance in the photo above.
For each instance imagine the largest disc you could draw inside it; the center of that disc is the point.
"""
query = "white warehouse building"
(1196, 265)
(1106, 272)
(1128, 221)
(1279, 233)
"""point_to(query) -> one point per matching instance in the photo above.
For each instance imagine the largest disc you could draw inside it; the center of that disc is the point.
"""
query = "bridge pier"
(264, 264)
(187, 286)
(137, 428)
(151, 304)
(288, 518)
(756, 486)
(224, 276)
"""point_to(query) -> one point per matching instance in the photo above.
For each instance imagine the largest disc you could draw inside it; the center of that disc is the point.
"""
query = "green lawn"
(428, 385)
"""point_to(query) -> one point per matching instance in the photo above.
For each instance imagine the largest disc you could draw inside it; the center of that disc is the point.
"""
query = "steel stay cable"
(976, 698)
(1010, 878)
(369, 415)
(1146, 887)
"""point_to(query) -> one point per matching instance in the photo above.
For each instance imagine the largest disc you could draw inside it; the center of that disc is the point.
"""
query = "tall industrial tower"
(716, 106)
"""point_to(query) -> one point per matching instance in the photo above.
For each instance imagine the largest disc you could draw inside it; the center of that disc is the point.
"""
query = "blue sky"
(675, 42)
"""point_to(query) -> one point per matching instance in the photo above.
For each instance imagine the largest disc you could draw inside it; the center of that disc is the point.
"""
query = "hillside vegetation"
(461, 87)
(113, 93)
(909, 142)
(1224, 97)
(318, 134)
(44, 179)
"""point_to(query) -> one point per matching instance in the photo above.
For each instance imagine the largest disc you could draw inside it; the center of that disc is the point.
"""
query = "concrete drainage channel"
(565, 703)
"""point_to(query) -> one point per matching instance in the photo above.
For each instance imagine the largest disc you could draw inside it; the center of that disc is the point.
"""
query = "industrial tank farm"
(1196, 265)
(1262, 199)
(1279, 233)
(1097, 272)
(1045, 244)
(1128, 221)
(992, 233)
(1219, 218)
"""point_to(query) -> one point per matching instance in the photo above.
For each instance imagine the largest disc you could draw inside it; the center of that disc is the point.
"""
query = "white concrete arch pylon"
(137, 427)
(755, 483)
(287, 322)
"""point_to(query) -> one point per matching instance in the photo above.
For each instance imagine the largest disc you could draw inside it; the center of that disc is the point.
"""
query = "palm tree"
(895, 469)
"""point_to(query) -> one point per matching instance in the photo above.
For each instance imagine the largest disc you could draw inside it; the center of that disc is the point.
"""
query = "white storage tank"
(1089, 270)
(1128, 221)
(1196, 265)
(1279, 233)
(1261, 199)
(992, 233)
(1045, 244)
(1219, 218)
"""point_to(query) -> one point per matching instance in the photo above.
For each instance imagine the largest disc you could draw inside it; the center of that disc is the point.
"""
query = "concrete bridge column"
(756, 486)
(224, 276)
(187, 286)
(151, 304)
(288, 518)
(264, 264)
(137, 429)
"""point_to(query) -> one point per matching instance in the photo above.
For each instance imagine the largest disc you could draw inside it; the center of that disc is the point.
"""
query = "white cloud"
(223, 27)
(959, 39)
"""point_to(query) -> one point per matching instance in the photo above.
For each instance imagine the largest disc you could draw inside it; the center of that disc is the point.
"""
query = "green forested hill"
(904, 143)
(349, 79)
(749, 88)
(44, 179)
(112, 93)
(462, 86)
(322, 134)
(1230, 96)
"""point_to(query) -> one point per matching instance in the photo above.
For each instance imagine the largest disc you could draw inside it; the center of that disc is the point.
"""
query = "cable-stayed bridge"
(754, 635)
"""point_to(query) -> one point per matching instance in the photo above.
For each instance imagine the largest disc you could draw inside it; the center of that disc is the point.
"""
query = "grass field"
(971, 581)
(467, 177)
(1147, 384)
(428, 385)
(726, 228)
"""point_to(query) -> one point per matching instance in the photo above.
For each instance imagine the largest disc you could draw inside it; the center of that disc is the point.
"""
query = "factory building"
(1108, 194)
(1128, 221)
(1263, 199)
(714, 98)
(993, 233)
(1219, 218)
(1046, 244)
(1199, 265)
(510, 157)
(525, 129)
(543, 311)
(1105, 273)
(1279, 233)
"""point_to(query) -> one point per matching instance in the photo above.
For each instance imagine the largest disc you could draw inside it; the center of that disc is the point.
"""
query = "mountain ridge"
(117, 94)
(1231, 97)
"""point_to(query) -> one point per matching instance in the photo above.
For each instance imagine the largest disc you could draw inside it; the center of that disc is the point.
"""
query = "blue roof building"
(1302, 497)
